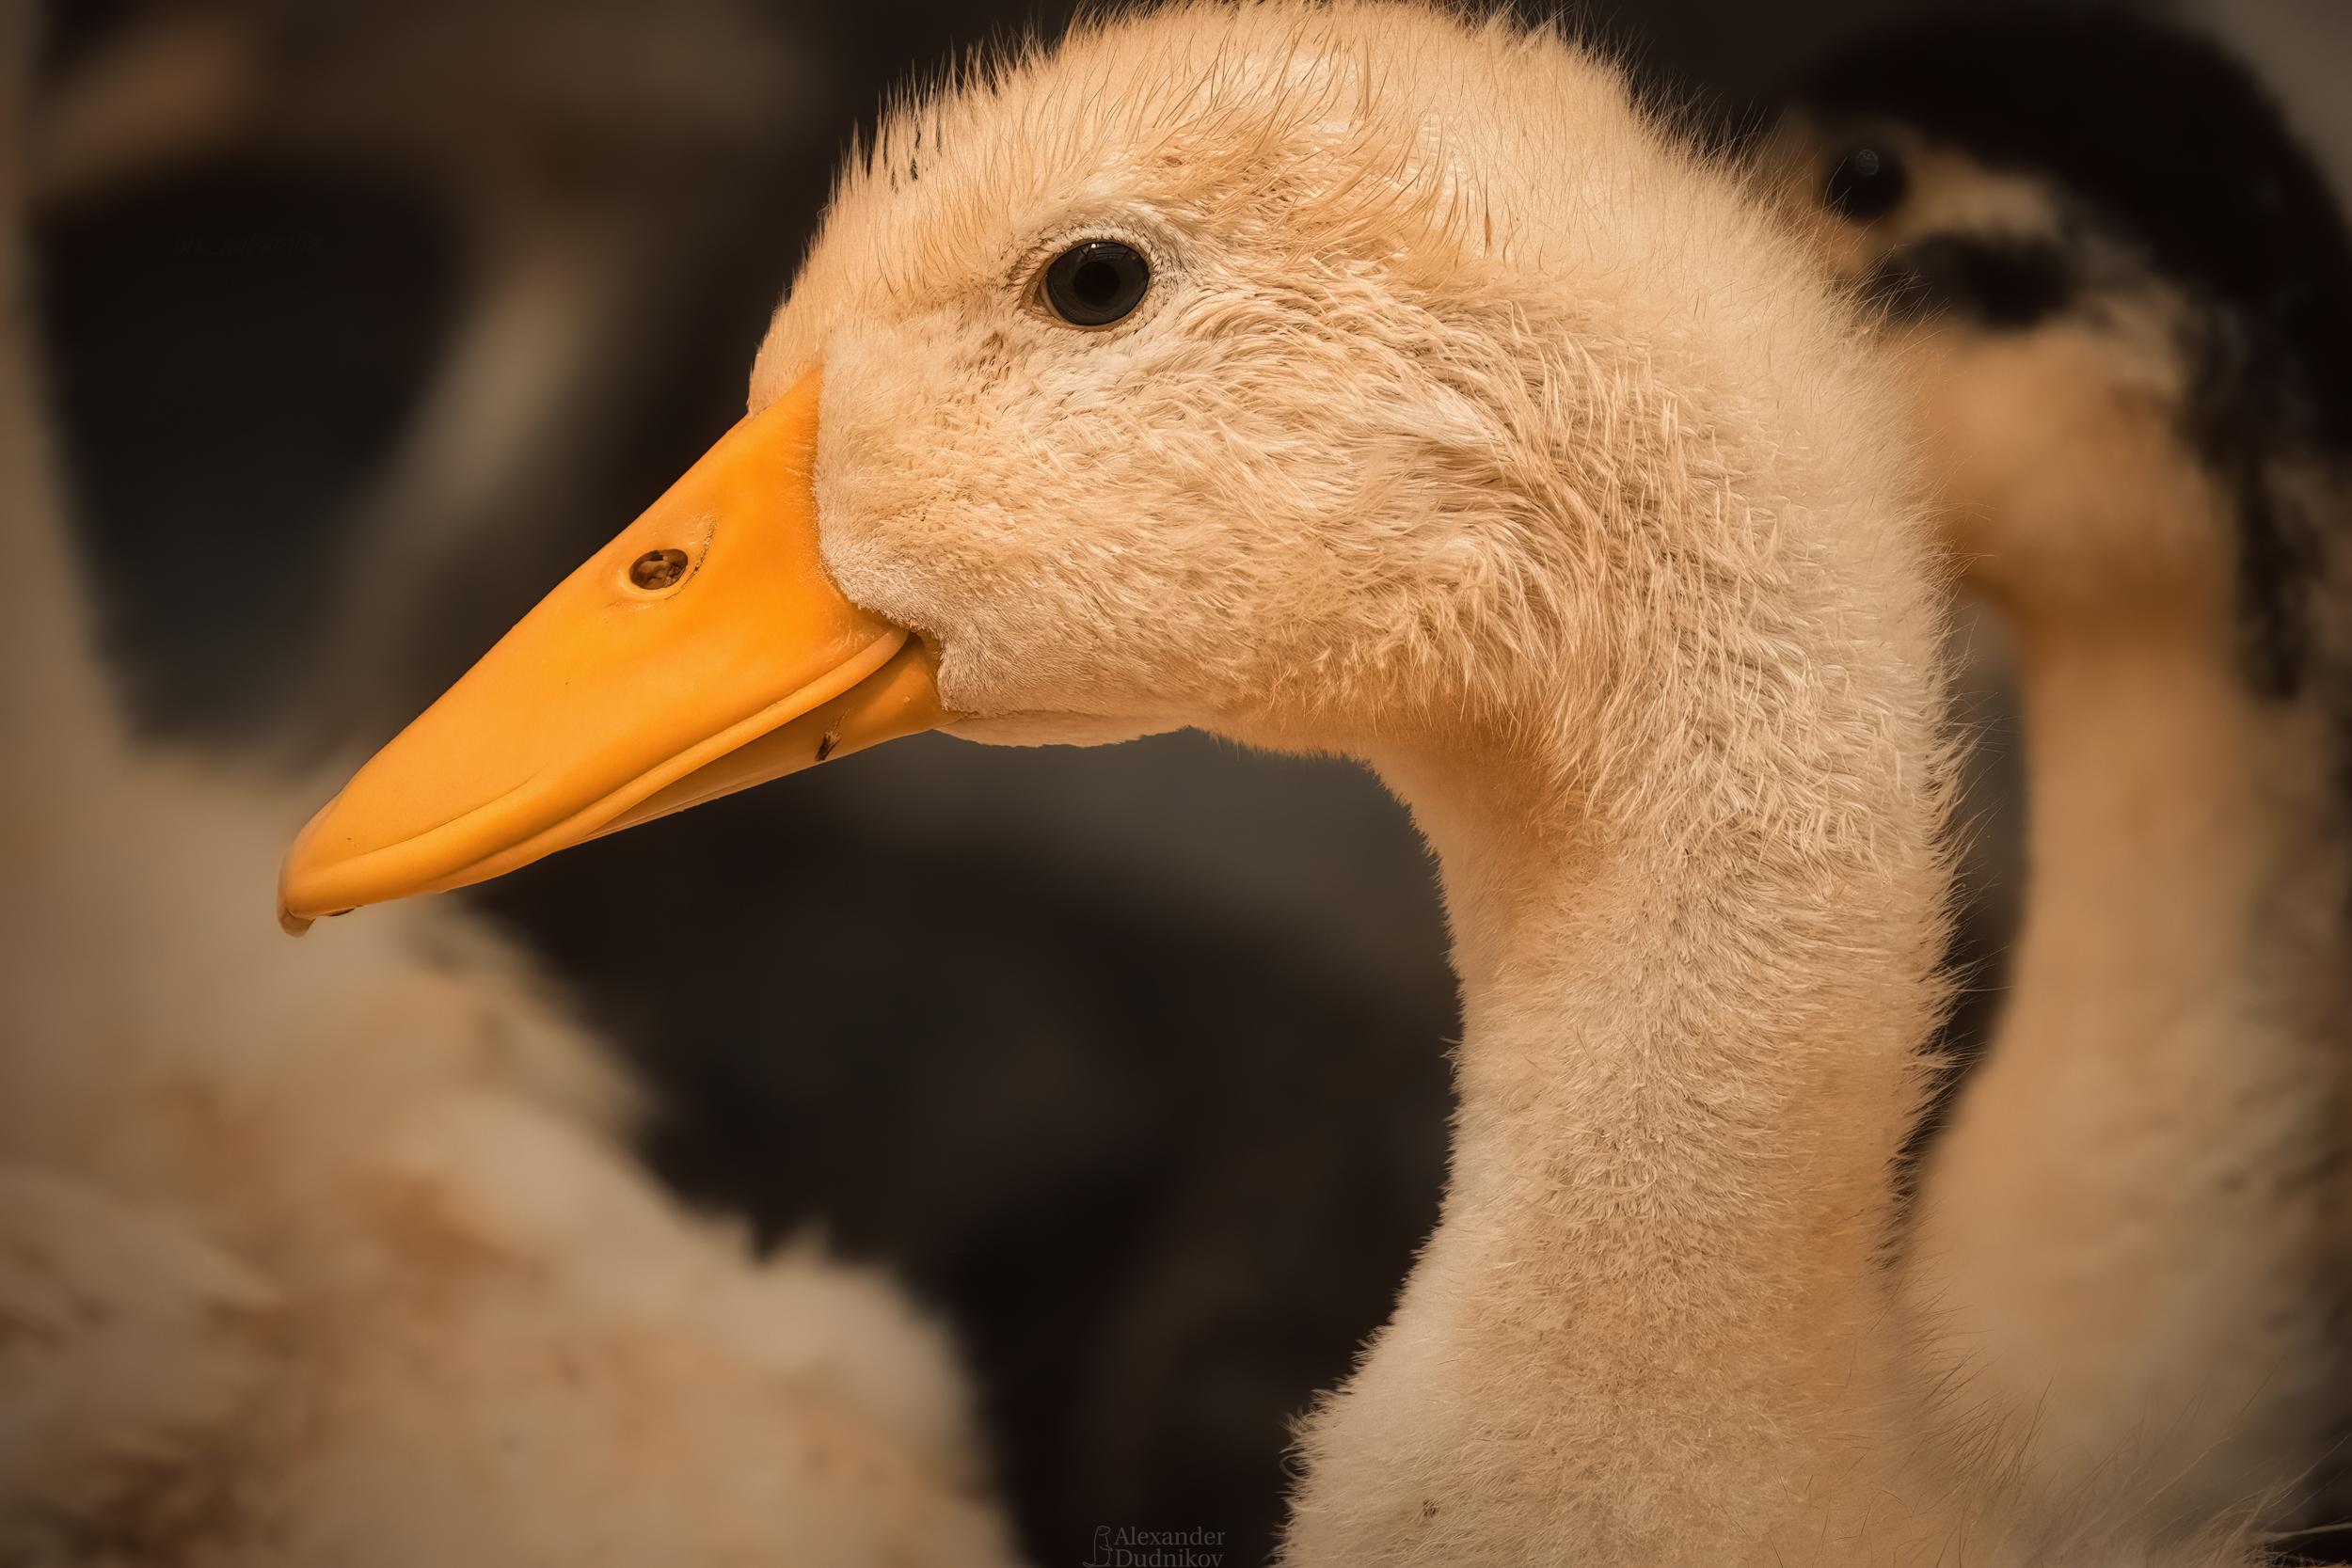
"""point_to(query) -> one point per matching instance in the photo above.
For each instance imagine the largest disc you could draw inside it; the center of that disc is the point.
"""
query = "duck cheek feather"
(701, 652)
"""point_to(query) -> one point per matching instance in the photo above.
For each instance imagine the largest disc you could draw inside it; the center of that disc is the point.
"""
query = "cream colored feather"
(333, 1253)
(1473, 427)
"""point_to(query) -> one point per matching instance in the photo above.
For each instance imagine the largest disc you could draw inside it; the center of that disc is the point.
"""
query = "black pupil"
(1096, 282)
(1868, 182)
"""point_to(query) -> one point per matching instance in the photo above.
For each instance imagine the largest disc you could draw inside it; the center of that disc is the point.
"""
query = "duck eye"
(1096, 282)
(1868, 182)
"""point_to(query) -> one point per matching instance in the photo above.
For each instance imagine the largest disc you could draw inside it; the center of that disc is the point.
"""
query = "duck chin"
(1058, 728)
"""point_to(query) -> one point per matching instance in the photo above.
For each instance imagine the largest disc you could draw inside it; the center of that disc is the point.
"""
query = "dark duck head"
(2126, 202)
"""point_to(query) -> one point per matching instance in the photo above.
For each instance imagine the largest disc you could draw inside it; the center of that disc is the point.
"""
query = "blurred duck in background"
(340, 1256)
(478, 227)
(2123, 298)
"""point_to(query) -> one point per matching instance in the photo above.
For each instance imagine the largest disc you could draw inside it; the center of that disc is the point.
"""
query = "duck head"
(1252, 368)
(2045, 367)
(2117, 287)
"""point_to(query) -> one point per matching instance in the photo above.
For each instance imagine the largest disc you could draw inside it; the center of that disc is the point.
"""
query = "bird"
(1360, 379)
(347, 1260)
(2118, 287)
(540, 179)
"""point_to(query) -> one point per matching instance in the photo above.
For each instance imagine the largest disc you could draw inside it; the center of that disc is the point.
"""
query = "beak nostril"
(658, 568)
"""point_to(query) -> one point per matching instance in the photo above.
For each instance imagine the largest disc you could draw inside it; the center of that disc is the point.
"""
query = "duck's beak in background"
(702, 652)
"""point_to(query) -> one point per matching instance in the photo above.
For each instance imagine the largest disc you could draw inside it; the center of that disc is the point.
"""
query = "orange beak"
(702, 652)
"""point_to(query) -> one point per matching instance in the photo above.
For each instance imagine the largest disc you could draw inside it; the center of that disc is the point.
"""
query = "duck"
(347, 1258)
(1357, 378)
(548, 183)
(2117, 287)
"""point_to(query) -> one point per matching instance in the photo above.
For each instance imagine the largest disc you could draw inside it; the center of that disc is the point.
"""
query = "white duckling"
(339, 1257)
(1349, 378)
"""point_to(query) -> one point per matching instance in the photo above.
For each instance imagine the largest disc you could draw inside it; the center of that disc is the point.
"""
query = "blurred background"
(367, 318)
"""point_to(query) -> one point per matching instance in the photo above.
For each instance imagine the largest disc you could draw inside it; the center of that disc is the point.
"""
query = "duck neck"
(2125, 1216)
(1684, 1068)
(56, 703)
(2170, 807)
(1683, 1104)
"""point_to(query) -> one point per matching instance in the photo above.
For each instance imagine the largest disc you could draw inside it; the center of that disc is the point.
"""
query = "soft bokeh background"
(369, 318)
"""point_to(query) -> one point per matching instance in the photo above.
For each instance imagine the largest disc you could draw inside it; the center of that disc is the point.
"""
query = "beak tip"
(288, 873)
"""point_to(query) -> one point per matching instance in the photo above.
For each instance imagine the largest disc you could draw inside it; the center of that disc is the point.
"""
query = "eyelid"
(1159, 251)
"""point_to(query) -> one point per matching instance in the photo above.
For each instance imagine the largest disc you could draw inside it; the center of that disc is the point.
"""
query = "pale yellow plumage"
(1471, 426)
(335, 1252)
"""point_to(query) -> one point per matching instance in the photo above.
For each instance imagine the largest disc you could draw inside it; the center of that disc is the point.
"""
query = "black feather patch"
(2178, 153)
(2007, 284)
